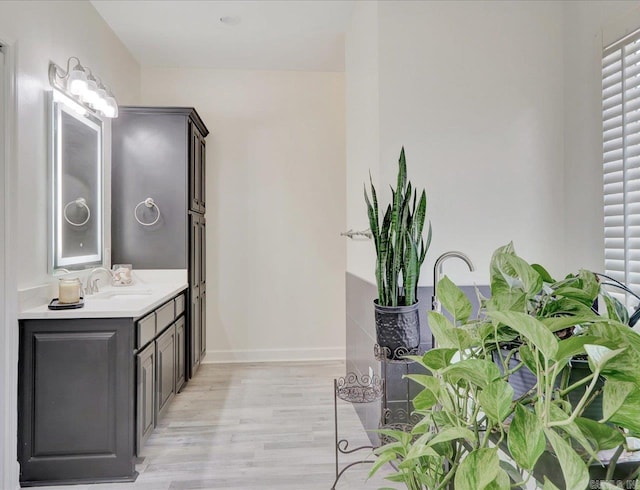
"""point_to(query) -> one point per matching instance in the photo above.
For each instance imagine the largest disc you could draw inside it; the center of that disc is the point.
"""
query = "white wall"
(588, 27)
(275, 208)
(474, 92)
(40, 31)
(363, 126)
(53, 31)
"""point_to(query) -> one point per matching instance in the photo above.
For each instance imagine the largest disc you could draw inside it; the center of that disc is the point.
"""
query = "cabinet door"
(203, 171)
(203, 324)
(196, 333)
(165, 370)
(195, 252)
(181, 365)
(76, 410)
(202, 252)
(196, 154)
(145, 394)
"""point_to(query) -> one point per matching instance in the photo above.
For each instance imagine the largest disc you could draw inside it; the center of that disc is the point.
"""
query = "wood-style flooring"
(252, 426)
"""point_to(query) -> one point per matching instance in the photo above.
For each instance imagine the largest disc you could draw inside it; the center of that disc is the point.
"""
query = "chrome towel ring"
(81, 202)
(148, 202)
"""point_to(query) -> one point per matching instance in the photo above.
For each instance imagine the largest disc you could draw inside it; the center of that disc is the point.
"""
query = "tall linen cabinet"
(159, 154)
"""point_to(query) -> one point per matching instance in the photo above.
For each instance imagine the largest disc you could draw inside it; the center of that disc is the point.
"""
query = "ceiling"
(261, 34)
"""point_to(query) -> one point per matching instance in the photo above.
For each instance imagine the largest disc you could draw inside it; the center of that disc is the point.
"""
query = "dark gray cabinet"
(166, 369)
(76, 406)
(161, 364)
(160, 152)
(197, 289)
(91, 391)
(145, 394)
(181, 364)
(197, 168)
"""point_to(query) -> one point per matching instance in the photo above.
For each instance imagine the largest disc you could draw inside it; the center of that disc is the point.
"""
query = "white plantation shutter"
(621, 159)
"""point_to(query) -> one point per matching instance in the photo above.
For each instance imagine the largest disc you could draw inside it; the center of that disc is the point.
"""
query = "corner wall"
(474, 92)
(275, 208)
(38, 32)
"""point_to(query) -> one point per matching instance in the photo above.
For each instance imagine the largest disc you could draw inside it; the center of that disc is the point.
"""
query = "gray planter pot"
(397, 328)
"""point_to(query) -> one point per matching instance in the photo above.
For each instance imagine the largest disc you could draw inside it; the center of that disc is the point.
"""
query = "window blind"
(621, 160)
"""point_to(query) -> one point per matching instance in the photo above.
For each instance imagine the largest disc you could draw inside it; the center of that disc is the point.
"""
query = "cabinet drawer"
(146, 330)
(179, 305)
(164, 316)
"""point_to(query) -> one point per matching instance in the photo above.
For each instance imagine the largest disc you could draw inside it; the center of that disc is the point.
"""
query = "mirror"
(76, 185)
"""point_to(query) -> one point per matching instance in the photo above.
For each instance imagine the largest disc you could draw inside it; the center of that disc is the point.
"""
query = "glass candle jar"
(69, 290)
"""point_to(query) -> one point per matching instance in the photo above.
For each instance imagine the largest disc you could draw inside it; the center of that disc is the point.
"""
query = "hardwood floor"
(252, 426)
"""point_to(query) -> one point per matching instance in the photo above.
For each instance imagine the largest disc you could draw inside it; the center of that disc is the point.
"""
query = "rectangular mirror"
(76, 185)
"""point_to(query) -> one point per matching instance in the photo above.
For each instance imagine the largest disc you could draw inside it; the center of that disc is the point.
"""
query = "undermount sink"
(122, 294)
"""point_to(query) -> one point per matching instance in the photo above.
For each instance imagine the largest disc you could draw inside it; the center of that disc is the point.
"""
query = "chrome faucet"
(437, 274)
(92, 284)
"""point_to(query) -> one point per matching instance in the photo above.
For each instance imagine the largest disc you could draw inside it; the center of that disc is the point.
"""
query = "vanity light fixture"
(81, 85)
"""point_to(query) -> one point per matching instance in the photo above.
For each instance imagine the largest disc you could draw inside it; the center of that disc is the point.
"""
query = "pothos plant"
(400, 247)
(474, 433)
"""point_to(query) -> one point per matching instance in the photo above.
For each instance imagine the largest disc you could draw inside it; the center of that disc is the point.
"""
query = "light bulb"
(77, 81)
(90, 95)
(111, 108)
(101, 102)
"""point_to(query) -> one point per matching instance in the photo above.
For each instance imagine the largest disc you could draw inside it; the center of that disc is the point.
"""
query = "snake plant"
(400, 247)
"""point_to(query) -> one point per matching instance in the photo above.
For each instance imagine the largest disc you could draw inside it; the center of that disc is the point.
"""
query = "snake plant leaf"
(527, 326)
(420, 215)
(574, 469)
(454, 300)
(477, 470)
(496, 399)
(525, 440)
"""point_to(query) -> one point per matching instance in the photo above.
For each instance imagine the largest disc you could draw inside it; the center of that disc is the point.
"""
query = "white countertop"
(149, 290)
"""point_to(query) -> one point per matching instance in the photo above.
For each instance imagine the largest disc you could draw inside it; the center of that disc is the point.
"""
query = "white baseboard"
(275, 355)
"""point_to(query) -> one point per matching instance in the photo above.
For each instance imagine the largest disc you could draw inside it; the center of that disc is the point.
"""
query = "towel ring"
(81, 202)
(148, 202)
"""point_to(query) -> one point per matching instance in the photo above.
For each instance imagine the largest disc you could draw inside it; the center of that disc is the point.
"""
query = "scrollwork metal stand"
(367, 389)
(352, 389)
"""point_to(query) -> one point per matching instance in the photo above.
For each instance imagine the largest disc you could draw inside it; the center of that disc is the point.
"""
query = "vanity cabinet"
(76, 403)
(160, 152)
(166, 369)
(159, 364)
(92, 390)
(145, 394)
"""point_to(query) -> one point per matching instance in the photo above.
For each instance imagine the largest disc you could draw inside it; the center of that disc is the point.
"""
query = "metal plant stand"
(401, 416)
(365, 389)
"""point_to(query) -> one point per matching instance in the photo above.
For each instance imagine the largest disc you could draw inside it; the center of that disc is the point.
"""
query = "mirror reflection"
(77, 185)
